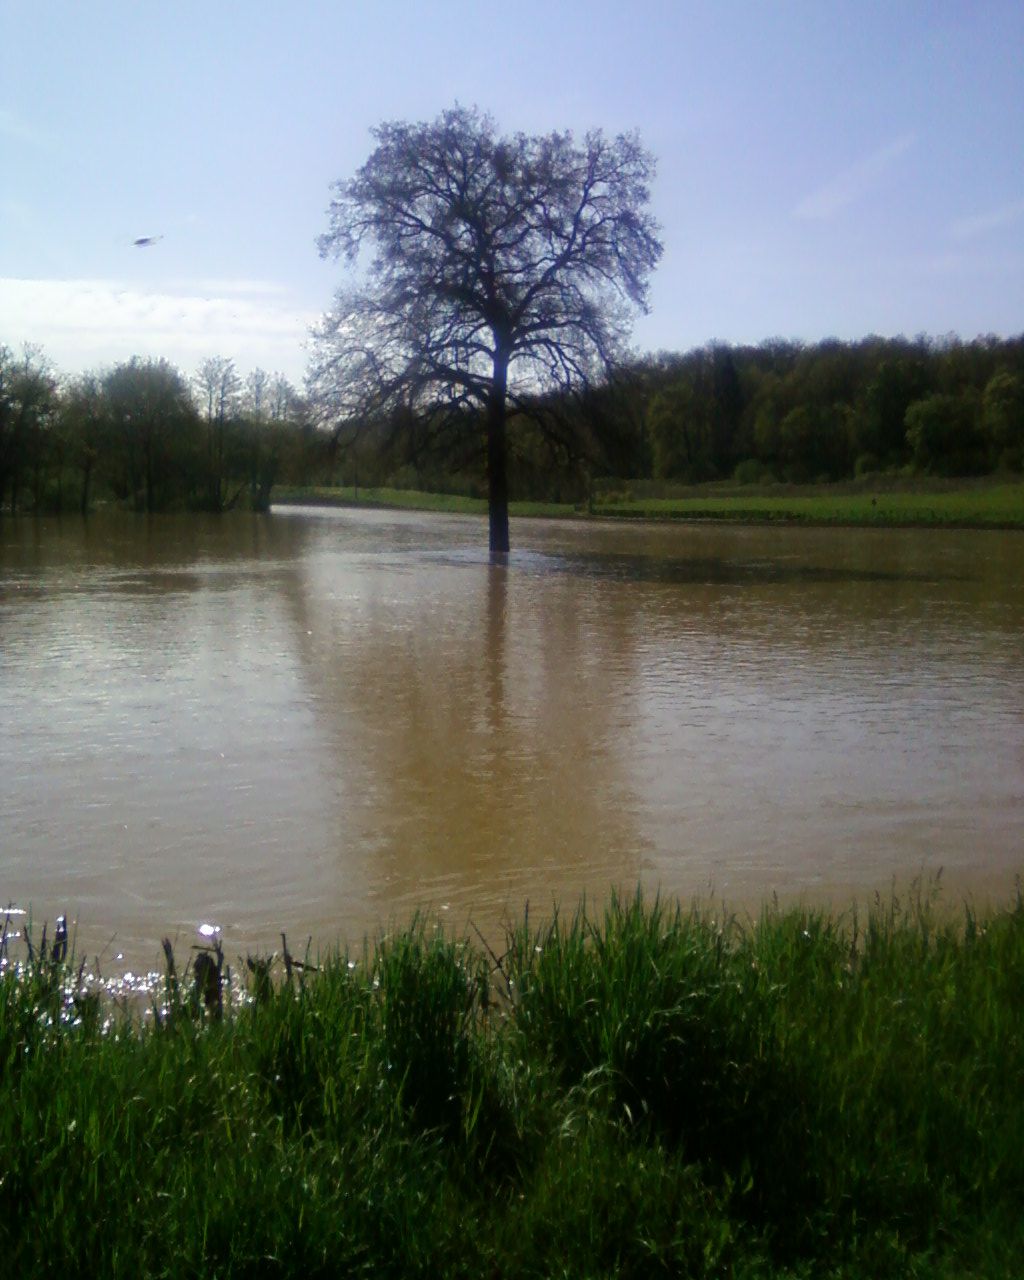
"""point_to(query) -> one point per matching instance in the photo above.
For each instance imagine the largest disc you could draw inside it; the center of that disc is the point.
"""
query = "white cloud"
(982, 223)
(82, 324)
(854, 182)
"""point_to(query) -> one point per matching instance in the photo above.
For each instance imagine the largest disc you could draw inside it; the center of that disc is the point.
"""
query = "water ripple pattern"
(320, 720)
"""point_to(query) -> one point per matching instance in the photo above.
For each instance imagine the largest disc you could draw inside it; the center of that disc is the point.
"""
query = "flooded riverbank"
(321, 720)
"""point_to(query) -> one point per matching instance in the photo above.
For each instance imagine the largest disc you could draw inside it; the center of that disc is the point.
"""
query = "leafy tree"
(503, 267)
(943, 435)
(154, 421)
(680, 432)
(726, 397)
(84, 423)
(28, 400)
(881, 427)
(814, 442)
(1003, 417)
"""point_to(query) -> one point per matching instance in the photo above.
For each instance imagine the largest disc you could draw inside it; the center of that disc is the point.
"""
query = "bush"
(749, 471)
(1011, 460)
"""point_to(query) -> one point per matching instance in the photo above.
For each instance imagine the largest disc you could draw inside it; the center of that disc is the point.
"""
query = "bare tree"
(217, 386)
(502, 268)
(255, 392)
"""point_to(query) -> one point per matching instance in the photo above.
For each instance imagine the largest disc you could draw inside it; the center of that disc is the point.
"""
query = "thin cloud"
(219, 285)
(981, 224)
(85, 323)
(854, 182)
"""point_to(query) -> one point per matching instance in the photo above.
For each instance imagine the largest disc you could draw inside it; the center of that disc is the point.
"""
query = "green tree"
(84, 425)
(1003, 418)
(502, 267)
(679, 423)
(154, 427)
(943, 435)
(880, 428)
(28, 405)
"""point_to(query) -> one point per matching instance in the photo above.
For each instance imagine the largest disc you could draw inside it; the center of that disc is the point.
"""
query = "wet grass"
(889, 503)
(997, 506)
(408, 500)
(650, 1091)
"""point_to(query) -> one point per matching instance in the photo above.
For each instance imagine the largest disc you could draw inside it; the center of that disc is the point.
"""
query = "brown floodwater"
(320, 720)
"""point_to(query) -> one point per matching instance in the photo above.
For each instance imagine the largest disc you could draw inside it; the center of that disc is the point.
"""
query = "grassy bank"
(885, 502)
(996, 506)
(654, 1092)
(407, 500)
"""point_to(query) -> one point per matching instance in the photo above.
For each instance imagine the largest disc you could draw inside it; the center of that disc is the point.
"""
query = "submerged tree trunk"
(497, 469)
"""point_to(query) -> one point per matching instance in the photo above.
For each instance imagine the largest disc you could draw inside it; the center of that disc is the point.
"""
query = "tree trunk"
(497, 474)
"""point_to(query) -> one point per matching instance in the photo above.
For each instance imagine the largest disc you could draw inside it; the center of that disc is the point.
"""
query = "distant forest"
(143, 435)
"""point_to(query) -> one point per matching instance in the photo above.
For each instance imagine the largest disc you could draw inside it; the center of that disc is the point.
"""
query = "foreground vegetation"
(879, 501)
(654, 1091)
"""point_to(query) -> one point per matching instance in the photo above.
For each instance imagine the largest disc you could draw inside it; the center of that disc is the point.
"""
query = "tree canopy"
(502, 268)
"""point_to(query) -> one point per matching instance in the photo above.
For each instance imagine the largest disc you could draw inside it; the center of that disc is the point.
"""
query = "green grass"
(408, 500)
(652, 1091)
(966, 504)
(999, 506)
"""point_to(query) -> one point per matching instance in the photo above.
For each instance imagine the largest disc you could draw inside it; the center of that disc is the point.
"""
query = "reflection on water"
(321, 720)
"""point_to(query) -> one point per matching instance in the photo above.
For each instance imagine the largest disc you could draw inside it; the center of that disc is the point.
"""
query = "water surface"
(319, 720)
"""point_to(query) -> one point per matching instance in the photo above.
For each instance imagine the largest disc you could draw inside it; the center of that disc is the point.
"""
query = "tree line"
(780, 411)
(146, 437)
(484, 349)
(833, 410)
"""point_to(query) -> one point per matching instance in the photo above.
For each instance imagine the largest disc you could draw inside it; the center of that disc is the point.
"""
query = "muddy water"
(318, 721)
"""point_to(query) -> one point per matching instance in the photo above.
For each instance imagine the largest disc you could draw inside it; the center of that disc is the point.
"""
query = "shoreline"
(647, 1089)
(996, 506)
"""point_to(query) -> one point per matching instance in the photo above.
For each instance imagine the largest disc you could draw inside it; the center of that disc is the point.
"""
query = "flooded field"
(321, 720)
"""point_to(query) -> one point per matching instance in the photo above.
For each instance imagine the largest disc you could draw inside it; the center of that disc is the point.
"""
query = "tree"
(270, 426)
(217, 387)
(84, 423)
(680, 432)
(1003, 418)
(880, 430)
(28, 396)
(154, 418)
(502, 268)
(943, 435)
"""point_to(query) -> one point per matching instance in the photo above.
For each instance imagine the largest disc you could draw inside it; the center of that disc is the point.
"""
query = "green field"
(655, 1091)
(969, 505)
(408, 499)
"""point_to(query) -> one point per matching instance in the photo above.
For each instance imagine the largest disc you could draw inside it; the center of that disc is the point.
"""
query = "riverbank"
(656, 1091)
(886, 502)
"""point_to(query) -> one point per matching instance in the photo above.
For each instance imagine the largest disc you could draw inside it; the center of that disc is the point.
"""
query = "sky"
(825, 168)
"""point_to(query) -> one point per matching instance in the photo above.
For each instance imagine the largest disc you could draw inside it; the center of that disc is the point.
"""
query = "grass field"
(939, 504)
(656, 1091)
(410, 500)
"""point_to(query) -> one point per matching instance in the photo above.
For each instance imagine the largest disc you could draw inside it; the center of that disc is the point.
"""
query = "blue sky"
(824, 168)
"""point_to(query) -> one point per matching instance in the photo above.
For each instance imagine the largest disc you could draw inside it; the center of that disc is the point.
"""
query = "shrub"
(749, 471)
